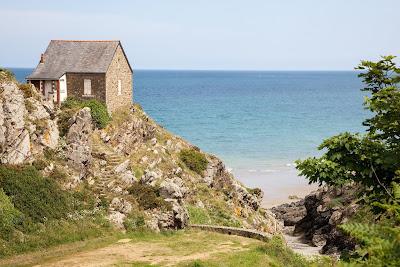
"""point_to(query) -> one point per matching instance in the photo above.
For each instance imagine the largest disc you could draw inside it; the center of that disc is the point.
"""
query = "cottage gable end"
(118, 81)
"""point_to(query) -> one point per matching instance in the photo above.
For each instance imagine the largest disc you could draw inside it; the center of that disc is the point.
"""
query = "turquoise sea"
(258, 122)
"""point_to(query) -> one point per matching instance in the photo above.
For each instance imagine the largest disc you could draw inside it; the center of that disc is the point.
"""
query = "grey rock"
(173, 188)
(122, 167)
(128, 178)
(150, 177)
(78, 139)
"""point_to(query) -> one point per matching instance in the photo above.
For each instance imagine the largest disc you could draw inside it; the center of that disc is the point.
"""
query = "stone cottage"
(85, 70)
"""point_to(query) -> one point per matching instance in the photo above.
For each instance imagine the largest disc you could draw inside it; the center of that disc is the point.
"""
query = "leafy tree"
(372, 159)
(380, 244)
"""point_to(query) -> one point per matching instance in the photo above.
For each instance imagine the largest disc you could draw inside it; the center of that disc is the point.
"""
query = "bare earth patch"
(165, 251)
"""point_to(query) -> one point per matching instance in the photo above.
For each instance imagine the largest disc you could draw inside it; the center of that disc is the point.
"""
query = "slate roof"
(64, 56)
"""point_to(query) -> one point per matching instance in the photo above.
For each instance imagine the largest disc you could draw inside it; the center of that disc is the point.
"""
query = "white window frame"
(119, 87)
(87, 87)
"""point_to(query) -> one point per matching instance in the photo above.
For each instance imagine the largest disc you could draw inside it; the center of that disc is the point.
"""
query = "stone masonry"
(75, 85)
(118, 70)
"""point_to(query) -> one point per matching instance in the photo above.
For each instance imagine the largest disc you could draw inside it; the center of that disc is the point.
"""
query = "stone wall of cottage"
(75, 85)
(118, 70)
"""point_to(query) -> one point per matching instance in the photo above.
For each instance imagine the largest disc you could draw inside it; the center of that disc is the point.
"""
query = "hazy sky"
(209, 34)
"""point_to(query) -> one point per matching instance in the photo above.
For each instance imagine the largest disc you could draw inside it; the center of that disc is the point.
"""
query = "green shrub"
(70, 106)
(148, 197)
(40, 164)
(194, 160)
(71, 103)
(9, 216)
(99, 112)
(37, 197)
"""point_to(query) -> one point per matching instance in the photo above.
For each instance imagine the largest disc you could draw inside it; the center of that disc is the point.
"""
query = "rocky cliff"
(132, 166)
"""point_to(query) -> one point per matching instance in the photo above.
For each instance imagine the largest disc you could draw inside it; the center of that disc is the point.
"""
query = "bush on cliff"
(37, 197)
(194, 160)
(69, 107)
(148, 197)
(9, 216)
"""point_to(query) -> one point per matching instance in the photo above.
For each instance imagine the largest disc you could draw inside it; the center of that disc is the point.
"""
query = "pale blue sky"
(209, 34)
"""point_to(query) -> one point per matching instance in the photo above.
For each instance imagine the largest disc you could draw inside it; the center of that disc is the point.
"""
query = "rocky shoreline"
(314, 220)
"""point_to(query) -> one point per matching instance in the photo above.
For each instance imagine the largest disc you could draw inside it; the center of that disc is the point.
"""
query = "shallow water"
(258, 122)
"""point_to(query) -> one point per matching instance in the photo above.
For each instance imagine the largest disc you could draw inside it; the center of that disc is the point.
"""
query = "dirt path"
(167, 251)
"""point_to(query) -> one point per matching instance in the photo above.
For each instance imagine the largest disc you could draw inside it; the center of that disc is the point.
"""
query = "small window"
(87, 87)
(119, 87)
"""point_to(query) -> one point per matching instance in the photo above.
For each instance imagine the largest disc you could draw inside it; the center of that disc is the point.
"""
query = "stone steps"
(113, 159)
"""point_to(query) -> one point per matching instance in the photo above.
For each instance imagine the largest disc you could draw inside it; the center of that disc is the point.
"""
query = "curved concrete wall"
(233, 231)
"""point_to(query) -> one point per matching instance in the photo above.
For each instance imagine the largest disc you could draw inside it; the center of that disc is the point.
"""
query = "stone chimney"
(41, 58)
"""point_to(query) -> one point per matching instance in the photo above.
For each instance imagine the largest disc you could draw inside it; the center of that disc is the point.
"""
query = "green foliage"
(99, 112)
(9, 216)
(198, 215)
(213, 215)
(40, 164)
(194, 160)
(148, 197)
(71, 105)
(379, 75)
(54, 232)
(372, 159)
(37, 197)
(6, 75)
(380, 242)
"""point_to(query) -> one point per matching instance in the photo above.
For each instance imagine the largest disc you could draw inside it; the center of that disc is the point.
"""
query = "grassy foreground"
(183, 248)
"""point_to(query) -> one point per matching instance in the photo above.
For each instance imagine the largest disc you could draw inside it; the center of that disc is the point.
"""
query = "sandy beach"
(279, 187)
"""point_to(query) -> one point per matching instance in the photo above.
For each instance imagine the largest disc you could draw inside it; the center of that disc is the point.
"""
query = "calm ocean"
(257, 122)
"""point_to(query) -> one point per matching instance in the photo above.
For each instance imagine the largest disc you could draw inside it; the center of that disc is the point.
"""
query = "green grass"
(55, 232)
(271, 253)
(214, 215)
(194, 160)
(176, 248)
(37, 197)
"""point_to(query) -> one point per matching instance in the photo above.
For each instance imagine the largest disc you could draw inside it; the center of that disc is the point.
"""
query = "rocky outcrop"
(326, 209)
(132, 133)
(78, 139)
(14, 138)
(42, 124)
(317, 216)
(290, 213)
(173, 188)
(218, 177)
(27, 125)
(176, 218)
(131, 149)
